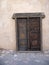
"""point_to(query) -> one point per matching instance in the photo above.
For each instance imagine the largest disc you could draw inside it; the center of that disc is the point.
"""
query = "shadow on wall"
(2, 49)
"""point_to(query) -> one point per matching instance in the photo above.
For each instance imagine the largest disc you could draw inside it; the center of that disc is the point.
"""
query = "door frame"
(27, 15)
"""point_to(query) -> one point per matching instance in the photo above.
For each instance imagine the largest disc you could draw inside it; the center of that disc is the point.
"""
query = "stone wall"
(7, 24)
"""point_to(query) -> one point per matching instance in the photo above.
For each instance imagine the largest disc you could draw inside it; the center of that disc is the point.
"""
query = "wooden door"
(34, 33)
(22, 34)
(28, 34)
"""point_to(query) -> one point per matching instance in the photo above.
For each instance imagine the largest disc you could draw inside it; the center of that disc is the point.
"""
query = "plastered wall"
(7, 24)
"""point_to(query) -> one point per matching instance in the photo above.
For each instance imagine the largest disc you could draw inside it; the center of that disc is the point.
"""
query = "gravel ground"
(9, 57)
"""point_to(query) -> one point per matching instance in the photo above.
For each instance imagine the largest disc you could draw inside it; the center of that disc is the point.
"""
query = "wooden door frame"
(27, 15)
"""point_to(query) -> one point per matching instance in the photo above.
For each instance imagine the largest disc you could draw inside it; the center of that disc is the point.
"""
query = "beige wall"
(7, 24)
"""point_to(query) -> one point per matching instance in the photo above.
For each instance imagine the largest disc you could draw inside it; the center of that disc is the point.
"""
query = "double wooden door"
(28, 34)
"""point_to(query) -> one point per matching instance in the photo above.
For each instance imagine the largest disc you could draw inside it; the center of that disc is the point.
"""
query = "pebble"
(15, 55)
(6, 61)
(37, 61)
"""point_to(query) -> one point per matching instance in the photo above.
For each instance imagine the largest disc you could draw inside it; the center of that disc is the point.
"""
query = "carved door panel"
(34, 33)
(22, 36)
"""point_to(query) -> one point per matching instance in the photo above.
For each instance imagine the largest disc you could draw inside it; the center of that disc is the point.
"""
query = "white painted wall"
(7, 24)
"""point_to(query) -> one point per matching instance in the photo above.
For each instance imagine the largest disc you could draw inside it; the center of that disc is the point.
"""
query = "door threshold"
(29, 51)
